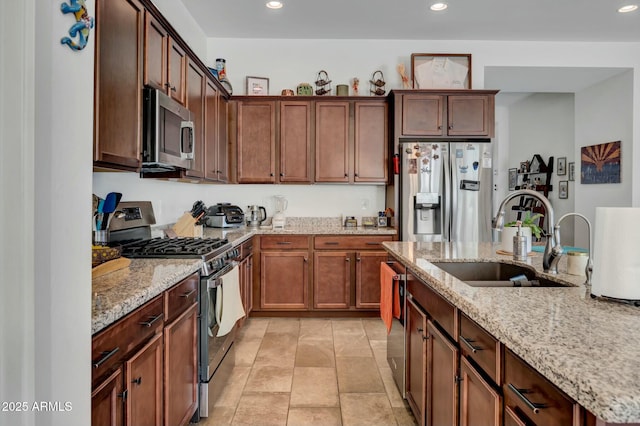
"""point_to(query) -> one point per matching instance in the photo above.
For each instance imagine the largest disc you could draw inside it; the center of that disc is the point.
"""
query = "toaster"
(224, 215)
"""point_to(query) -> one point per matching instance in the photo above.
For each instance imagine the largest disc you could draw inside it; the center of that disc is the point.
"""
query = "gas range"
(215, 253)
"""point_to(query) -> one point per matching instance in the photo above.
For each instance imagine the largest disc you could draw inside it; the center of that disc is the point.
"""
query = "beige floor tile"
(366, 409)
(284, 326)
(315, 353)
(254, 328)
(379, 348)
(375, 328)
(314, 416)
(315, 329)
(269, 379)
(342, 326)
(351, 345)
(262, 409)
(358, 375)
(390, 387)
(404, 416)
(219, 416)
(230, 396)
(246, 350)
(314, 387)
(277, 349)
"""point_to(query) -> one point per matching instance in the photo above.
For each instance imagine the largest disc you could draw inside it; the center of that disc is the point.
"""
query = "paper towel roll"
(616, 264)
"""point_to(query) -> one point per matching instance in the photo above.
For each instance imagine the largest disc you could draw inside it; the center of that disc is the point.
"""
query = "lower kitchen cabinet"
(284, 280)
(107, 401)
(332, 279)
(442, 373)
(143, 376)
(416, 360)
(480, 402)
(181, 368)
(245, 270)
(368, 278)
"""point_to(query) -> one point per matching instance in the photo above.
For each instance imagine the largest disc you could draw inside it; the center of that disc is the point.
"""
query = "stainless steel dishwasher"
(396, 347)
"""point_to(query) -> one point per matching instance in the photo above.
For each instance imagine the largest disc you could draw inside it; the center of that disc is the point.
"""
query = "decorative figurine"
(403, 76)
(81, 28)
(354, 85)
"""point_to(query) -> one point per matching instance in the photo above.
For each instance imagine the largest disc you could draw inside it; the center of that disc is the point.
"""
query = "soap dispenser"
(519, 244)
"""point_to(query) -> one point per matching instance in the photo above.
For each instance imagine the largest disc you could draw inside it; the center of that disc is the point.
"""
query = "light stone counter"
(588, 348)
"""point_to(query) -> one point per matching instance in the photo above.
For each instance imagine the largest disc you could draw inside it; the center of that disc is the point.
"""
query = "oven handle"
(214, 280)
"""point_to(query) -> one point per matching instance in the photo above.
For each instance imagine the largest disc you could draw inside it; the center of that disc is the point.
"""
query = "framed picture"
(513, 179)
(564, 189)
(600, 163)
(257, 86)
(441, 70)
(562, 166)
(572, 171)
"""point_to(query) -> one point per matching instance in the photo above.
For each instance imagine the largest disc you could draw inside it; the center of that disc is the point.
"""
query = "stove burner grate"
(173, 247)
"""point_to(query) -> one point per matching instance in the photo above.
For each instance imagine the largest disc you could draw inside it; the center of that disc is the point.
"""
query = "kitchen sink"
(496, 274)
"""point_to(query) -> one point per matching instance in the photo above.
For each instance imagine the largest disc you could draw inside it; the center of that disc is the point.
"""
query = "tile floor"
(310, 371)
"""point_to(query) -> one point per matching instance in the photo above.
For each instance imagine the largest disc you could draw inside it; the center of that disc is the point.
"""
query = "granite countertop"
(116, 294)
(587, 347)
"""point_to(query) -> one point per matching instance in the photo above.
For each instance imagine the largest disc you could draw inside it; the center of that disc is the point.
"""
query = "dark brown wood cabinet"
(442, 372)
(422, 115)
(371, 142)
(118, 84)
(246, 276)
(332, 142)
(256, 142)
(222, 141)
(295, 141)
(176, 71)
(471, 115)
(480, 402)
(284, 281)
(332, 279)
(143, 377)
(195, 89)
(156, 42)
(416, 373)
(368, 278)
(107, 401)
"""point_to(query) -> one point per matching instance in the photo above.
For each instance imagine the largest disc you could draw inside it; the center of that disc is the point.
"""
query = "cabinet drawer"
(179, 297)
(533, 398)
(440, 311)
(481, 347)
(111, 345)
(284, 242)
(337, 242)
(246, 248)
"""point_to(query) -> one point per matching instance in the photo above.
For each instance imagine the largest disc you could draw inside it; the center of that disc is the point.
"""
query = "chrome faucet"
(549, 262)
(588, 271)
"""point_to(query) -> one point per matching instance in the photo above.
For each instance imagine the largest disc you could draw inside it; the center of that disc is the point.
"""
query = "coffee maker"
(256, 215)
(278, 219)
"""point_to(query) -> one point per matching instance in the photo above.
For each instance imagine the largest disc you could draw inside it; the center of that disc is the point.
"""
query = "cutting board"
(110, 266)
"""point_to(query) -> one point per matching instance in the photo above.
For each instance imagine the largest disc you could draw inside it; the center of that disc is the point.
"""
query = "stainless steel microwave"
(168, 135)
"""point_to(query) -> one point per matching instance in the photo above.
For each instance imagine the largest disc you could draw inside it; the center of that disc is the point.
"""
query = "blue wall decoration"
(600, 163)
(81, 28)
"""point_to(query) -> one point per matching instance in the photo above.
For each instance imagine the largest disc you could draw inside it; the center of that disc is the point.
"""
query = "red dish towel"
(386, 295)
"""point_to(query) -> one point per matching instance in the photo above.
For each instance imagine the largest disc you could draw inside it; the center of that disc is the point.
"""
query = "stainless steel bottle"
(519, 245)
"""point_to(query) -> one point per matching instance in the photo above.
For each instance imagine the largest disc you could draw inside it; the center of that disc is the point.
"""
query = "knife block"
(186, 227)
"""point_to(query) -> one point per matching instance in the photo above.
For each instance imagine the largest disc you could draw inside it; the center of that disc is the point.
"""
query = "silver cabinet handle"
(282, 243)
(533, 406)
(152, 320)
(105, 356)
(331, 243)
(467, 343)
(188, 294)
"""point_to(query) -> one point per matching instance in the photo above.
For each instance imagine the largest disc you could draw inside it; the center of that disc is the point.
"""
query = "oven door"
(217, 354)
(395, 339)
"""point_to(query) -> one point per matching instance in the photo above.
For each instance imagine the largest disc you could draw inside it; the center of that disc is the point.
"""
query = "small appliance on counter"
(224, 215)
(279, 220)
(256, 215)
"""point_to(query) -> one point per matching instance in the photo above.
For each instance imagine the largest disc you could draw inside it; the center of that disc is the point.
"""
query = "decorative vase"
(507, 234)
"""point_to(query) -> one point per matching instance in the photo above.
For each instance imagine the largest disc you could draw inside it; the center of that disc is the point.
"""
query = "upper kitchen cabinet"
(118, 84)
(256, 141)
(196, 104)
(176, 71)
(370, 147)
(295, 141)
(444, 114)
(332, 142)
(215, 135)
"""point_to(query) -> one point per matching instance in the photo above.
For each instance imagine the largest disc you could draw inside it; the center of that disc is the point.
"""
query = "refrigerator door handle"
(446, 197)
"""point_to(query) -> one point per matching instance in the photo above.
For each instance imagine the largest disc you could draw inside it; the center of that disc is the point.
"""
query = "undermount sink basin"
(496, 274)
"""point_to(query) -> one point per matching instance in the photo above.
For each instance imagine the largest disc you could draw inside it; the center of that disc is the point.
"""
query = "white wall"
(543, 123)
(605, 113)
(186, 26)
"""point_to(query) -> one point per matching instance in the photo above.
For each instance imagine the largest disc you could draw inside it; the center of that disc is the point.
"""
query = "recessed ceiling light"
(628, 8)
(437, 7)
(274, 4)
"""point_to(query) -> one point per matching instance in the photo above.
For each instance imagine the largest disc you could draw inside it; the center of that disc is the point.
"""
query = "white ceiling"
(533, 20)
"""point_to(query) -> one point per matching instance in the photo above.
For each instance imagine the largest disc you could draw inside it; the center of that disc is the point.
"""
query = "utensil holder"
(101, 238)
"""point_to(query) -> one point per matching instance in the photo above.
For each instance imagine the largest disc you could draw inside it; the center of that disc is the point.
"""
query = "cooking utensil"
(100, 214)
(110, 203)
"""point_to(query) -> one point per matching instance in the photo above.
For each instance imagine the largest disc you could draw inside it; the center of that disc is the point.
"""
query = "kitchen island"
(588, 348)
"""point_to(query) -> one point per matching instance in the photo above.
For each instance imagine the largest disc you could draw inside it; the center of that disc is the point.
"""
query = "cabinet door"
(332, 279)
(155, 53)
(211, 169)
(332, 142)
(371, 139)
(284, 280)
(176, 72)
(442, 371)
(248, 282)
(422, 115)
(106, 401)
(479, 402)
(196, 104)
(470, 115)
(118, 83)
(223, 140)
(256, 142)
(416, 360)
(143, 378)
(181, 368)
(368, 278)
(295, 141)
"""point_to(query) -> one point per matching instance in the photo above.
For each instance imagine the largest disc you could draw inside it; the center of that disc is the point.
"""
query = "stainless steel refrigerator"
(446, 191)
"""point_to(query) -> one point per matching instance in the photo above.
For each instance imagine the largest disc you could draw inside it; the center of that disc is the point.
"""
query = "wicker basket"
(101, 254)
